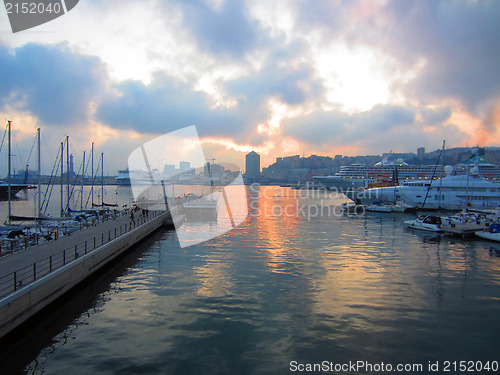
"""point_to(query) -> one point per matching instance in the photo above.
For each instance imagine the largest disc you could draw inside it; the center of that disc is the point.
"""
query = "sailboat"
(7, 189)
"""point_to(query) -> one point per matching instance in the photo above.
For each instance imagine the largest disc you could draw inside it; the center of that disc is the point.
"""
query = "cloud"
(50, 82)
(225, 30)
(232, 67)
(435, 116)
(293, 84)
(458, 41)
(167, 105)
(381, 128)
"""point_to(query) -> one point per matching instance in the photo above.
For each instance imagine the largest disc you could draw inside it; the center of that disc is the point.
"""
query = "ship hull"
(452, 193)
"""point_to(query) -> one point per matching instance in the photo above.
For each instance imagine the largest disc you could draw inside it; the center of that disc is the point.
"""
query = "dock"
(31, 279)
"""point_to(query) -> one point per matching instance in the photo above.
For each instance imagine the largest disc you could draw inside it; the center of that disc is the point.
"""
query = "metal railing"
(22, 277)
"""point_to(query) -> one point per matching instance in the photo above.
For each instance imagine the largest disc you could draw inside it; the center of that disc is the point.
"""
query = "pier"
(31, 279)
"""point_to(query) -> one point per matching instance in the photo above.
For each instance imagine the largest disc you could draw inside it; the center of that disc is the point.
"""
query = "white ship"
(138, 177)
(453, 192)
(385, 173)
(123, 177)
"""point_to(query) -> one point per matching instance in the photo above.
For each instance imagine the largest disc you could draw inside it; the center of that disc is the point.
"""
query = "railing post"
(76, 252)
(15, 281)
(94, 243)
(50, 264)
(64, 257)
(34, 271)
(85, 246)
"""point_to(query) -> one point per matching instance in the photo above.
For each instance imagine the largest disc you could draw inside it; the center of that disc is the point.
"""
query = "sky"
(282, 77)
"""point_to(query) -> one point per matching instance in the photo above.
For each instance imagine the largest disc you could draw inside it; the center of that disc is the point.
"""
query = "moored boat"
(379, 208)
(429, 223)
(493, 234)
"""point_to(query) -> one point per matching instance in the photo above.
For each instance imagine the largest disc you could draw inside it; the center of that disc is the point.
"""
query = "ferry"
(453, 192)
(123, 177)
(384, 173)
(389, 173)
(139, 177)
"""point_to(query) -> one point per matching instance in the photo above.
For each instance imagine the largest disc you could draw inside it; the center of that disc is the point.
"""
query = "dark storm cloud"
(225, 31)
(50, 82)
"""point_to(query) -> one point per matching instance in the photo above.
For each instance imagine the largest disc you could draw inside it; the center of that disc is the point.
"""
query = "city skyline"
(288, 78)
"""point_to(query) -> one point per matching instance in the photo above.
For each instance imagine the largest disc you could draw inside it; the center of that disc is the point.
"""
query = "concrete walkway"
(71, 246)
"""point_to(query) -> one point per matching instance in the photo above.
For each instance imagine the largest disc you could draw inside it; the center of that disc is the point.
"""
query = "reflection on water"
(289, 287)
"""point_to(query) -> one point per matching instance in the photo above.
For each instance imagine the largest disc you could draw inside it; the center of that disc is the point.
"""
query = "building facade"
(252, 165)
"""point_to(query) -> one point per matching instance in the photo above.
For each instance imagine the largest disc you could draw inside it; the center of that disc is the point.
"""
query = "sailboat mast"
(102, 179)
(441, 179)
(62, 174)
(9, 165)
(67, 173)
(39, 170)
(92, 174)
(83, 178)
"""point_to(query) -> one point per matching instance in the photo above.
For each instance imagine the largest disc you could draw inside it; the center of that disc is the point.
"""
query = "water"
(281, 287)
(25, 202)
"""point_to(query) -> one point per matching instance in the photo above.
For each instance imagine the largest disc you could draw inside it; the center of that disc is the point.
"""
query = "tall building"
(420, 153)
(184, 166)
(252, 165)
(169, 170)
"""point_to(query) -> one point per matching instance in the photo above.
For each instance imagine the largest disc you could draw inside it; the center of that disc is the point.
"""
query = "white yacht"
(428, 223)
(453, 192)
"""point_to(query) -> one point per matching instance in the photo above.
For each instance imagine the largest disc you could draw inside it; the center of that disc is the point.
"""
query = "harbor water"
(298, 285)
